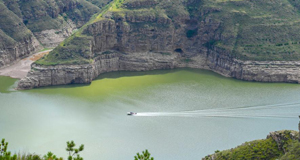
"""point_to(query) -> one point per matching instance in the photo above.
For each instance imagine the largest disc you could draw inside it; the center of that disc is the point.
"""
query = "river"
(182, 114)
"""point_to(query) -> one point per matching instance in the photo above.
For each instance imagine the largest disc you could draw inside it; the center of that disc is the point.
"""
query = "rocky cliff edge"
(136, 35)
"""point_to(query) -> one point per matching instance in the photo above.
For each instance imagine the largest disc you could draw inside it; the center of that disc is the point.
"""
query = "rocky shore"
(21, 68)
(261, 71)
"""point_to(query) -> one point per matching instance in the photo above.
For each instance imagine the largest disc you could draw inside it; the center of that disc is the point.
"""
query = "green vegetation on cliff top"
(248, 30)
(266, 149)
(259, 149)
(76, 49)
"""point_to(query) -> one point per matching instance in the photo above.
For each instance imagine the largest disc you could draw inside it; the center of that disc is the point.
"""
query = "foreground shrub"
(293, 152)
(144, 156)
(73, 153)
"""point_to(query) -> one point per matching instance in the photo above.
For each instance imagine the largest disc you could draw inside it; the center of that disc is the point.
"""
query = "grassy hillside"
(20, 18)
(259, 149)
(249, 30)
(267, 149)
(12, 25)
(12, 29)
(260, 30)
(39, 15)
(100, 3)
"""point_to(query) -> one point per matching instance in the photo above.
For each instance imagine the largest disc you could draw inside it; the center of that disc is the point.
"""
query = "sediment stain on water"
(95, 114)
(116, 83)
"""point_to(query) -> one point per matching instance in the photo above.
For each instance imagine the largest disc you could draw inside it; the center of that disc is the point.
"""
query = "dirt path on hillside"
(21, 68)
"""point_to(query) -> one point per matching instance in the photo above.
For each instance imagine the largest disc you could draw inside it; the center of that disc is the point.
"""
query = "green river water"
(182, 114)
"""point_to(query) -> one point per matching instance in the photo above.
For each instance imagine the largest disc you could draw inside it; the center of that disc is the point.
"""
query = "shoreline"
(267, 71)
(19, 69)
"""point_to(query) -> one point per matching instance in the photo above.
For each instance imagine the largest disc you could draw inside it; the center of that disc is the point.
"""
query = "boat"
(131, 113)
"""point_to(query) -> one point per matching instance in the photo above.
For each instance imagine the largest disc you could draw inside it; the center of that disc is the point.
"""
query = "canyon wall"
(15, 51)
(41, 75)
(260, 71)
(52, 37)
(29, 26)
(16, 41)
(18, 50)
(148, 35)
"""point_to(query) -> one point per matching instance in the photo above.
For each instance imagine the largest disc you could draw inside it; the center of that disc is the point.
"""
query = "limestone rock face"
(26, 26)
(51, 38)
(52, 75)
(260, 71)
(119, 44)
(142, 61)
(147, 34)
(52, 21)
(41, 76)
(19, 50)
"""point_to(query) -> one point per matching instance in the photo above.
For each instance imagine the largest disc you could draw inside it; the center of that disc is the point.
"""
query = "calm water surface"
(182, 114)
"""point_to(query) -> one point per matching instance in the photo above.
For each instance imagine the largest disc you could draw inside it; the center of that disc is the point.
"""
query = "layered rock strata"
(18, 50)
(28, 26)
(41, 76)
(146, 35)
(52, 37)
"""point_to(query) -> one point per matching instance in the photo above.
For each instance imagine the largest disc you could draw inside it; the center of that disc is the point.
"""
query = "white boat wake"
(288, 110)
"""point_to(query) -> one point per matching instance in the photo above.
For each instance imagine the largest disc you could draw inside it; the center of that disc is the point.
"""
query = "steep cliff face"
(232, 38)
(41, 75)
(52, 37)
(16, 40)
(55, 19)
(261, 71)
(52, 21)
(108, 61)
(28, 26)
(18, 50)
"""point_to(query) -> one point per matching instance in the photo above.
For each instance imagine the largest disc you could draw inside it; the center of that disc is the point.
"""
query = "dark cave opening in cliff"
(179, 50)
